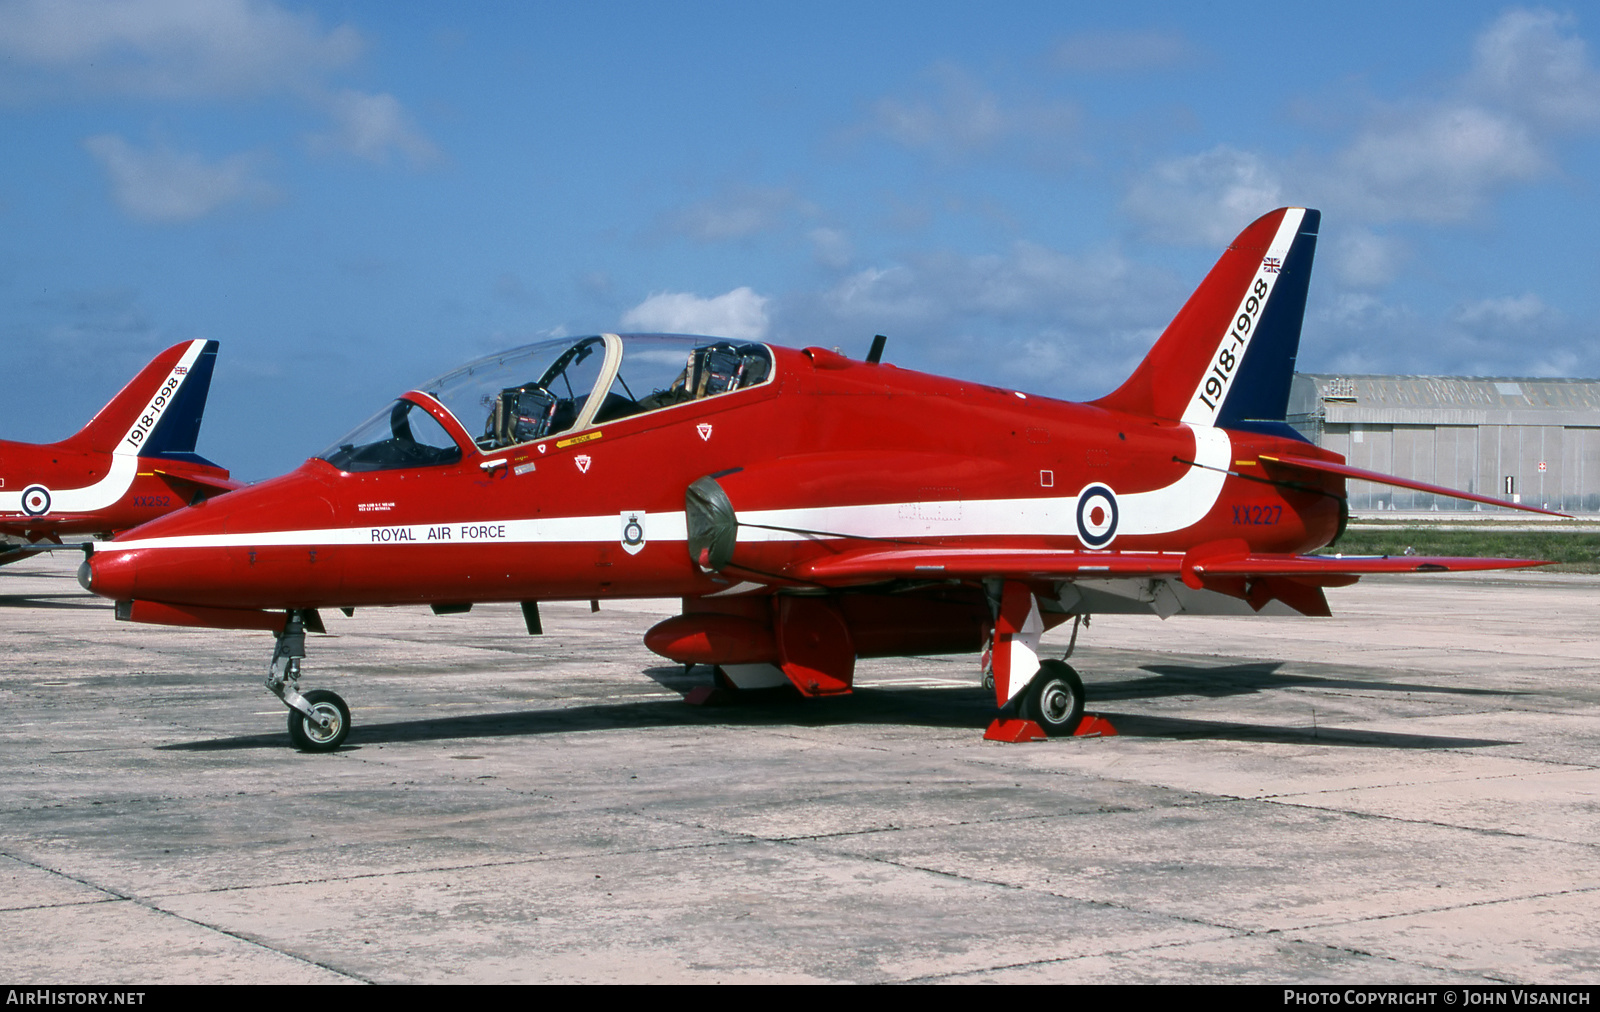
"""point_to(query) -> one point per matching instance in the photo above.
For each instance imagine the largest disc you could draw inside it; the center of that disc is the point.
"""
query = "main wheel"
(1054, 699)
(307, 736)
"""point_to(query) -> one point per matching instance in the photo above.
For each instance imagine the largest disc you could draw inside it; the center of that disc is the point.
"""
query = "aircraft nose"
(108, 574)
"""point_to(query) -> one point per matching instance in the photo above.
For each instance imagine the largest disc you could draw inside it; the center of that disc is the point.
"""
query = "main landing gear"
(318, 720)
(1049, 706)
(1054, 699)
(1049, 703)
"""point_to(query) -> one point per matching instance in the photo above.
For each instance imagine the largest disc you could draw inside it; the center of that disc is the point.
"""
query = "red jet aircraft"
(133, 462)
(808, 509)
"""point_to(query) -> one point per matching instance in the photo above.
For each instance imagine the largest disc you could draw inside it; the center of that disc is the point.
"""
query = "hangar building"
(1537, 440)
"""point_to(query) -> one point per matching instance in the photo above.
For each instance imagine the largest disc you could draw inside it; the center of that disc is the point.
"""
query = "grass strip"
(1574, 552)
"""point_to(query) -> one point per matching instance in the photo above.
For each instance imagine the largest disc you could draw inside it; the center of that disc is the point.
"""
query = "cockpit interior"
(550, 388)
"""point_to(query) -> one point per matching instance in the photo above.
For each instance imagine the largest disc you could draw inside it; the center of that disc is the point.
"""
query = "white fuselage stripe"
(124, 457)
(1160, 511)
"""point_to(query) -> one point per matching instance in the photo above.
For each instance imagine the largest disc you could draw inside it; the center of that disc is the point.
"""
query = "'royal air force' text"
(450, 533)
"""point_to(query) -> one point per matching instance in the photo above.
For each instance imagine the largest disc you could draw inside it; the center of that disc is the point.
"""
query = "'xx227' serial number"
(1257, 514)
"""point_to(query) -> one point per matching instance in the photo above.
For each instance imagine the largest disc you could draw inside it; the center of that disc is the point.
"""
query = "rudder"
(1228, 357)
(158, 413)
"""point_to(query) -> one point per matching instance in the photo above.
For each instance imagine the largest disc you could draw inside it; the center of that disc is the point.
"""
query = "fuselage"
(827, 452)
(808, 509)
(89, 493)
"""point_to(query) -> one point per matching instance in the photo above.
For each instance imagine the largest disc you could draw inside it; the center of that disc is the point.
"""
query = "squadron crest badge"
(633, 531)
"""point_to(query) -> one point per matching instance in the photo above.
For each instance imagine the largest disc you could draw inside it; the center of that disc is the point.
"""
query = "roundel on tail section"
(36, 500)
(1097, 515)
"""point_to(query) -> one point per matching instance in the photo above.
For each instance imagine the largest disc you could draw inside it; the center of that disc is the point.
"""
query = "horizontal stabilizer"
(1345, 470)
(213, 480)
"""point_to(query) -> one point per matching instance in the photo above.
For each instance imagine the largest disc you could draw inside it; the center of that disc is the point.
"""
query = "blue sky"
(353, 197)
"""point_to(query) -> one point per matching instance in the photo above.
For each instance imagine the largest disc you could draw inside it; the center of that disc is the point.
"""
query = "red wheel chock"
(1095, 726)
(1014, 730)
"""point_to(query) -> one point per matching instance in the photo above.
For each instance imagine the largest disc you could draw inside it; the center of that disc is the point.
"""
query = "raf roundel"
(36, 500)
(1097, 516)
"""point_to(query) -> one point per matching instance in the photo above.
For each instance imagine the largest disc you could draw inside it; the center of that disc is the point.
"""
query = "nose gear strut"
(319, 720)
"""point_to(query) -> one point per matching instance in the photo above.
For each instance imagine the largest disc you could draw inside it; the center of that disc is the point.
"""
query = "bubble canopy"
(549, 388)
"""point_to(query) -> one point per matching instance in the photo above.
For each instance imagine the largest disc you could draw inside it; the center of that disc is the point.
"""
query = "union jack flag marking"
(1271, 265)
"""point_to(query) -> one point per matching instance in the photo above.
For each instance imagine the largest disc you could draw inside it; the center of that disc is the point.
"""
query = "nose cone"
(110, 575)
(154, 559)
(206, 555)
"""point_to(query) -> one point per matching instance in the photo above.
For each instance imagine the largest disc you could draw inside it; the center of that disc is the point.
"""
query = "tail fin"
(1228, 357)
(158, 413)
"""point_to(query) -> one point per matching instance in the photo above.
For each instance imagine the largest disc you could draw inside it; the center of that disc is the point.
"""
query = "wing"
(877, 565)
(1227, 568)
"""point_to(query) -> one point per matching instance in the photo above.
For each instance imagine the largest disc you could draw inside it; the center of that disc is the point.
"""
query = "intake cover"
(713, 528)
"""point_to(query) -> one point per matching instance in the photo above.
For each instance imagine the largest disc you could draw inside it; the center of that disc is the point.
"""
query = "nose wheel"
(319, 720)
(325, 728)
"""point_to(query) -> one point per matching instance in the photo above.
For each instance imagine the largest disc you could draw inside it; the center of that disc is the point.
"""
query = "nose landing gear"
(319, 720)
(325, 729)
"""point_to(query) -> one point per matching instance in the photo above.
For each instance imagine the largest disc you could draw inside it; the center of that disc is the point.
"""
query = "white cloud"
(166, 48)
(1033, 317)
(1438, 166)
(961, 117)
(1529, 61)
(1204, 199)
(1513, 335)
(1363, 259)
(185, 50)
(893, 294)
(1508, 314)
(1093, 52)
(737, 214)
(831, 248)
(740, 314)
(1436, 161)
(1360, 311)
(164, 186)
(371, 127)
(1030, 283)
